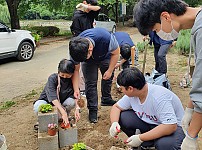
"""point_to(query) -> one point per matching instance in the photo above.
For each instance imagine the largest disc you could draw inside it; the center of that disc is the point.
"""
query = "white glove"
(187, 118)
(189, 143)
(114, 129)
(134, 141)
(80, 5)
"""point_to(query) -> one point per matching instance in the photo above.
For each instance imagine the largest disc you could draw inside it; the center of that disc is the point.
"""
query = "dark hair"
(131, 77)
(92, 2)
(78, 48)
(66, 66)
(125, 51)
(147, 12)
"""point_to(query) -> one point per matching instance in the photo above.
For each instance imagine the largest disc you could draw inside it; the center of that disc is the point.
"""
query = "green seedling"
(7, 104)
(44, 108)
(79, 146)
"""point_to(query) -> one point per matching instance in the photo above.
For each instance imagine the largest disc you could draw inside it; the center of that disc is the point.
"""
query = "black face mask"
(64, 79)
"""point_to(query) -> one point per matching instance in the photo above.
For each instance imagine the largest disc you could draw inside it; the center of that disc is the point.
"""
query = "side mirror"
(8, 30)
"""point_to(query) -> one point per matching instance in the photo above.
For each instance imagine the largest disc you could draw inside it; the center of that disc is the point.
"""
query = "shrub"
(141, 46)
(36, 36)
(44, 30)
(183, 42)
(53, 30)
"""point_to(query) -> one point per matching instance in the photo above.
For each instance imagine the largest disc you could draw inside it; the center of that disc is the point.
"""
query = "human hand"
(107, 75)
(80, 5)
(189, 143)
(117, 65)
(144, 38)
(77, 114)
(77, 94)
(65, 119)
(134, 141)
(187, 118)
(173, 44)
(114, 129)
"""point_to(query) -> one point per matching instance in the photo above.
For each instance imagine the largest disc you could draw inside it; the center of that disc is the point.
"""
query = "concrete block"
(67, 136)
(45, 118)
(47, 142)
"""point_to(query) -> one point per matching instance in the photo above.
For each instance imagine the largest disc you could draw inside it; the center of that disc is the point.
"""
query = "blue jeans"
(129, 122)
(68, 104)
(160, 52)
(90, 72)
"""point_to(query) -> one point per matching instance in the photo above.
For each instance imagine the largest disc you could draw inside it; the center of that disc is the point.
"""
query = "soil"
(17, 122)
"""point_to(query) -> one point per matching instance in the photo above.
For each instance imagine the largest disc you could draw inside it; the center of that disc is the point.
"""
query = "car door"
(7, 41)
(106, 23)
(99, 21)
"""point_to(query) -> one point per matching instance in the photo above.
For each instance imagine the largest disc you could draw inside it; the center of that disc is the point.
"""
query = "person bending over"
(125, 44)
(95, 48)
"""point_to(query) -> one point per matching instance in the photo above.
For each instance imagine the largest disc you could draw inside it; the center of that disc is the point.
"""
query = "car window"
(106, 18)
(100, 18)
(2, 28)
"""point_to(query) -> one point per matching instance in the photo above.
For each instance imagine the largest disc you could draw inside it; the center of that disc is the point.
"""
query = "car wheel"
(25, 51)
(114, 29)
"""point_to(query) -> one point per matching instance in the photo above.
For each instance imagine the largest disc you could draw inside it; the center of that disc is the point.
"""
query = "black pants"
(129, 122)
(90, 72)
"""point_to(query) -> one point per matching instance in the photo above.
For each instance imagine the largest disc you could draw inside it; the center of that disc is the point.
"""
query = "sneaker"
(108, 102)
(83, 93)
(93, 116)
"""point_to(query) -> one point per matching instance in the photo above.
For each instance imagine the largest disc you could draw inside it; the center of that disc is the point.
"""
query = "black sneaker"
(93, 116)
(108, 102)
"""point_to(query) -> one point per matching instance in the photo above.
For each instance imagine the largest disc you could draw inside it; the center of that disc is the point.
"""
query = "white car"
(103, 21)
(16, 43)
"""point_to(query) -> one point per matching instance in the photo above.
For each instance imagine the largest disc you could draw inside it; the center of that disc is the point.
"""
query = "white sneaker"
(83, 94)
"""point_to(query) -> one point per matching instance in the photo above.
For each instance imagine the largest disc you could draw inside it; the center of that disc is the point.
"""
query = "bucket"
(3, 142)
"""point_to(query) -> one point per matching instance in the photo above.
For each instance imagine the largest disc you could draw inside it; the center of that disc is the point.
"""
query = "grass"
(7, 105)
(31, 94)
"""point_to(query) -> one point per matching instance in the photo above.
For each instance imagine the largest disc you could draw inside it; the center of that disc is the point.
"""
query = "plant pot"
(52, 132)
(63, 126)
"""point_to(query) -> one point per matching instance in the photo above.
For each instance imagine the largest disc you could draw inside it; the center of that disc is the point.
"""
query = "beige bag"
(187, 78)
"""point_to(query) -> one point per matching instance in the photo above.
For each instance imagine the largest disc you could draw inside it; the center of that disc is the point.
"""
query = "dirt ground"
(16, 123)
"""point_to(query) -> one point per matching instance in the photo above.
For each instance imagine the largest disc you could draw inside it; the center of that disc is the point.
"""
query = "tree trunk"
(116, 9)
(13, 7)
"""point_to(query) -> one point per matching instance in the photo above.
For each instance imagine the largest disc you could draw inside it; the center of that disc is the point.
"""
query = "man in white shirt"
(154, 110)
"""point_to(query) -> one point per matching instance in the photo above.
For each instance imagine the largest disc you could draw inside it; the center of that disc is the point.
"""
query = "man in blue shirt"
(161, 48)
(125, 43)
(95, 48)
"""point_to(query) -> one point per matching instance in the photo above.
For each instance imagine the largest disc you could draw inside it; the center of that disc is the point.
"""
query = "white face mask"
(168, 36)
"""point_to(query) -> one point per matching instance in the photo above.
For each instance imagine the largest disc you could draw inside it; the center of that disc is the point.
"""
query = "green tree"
(193, 3)
(13, 7)
(4, 14)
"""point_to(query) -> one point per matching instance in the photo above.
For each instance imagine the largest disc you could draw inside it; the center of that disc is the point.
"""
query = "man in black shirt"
(84, 16)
